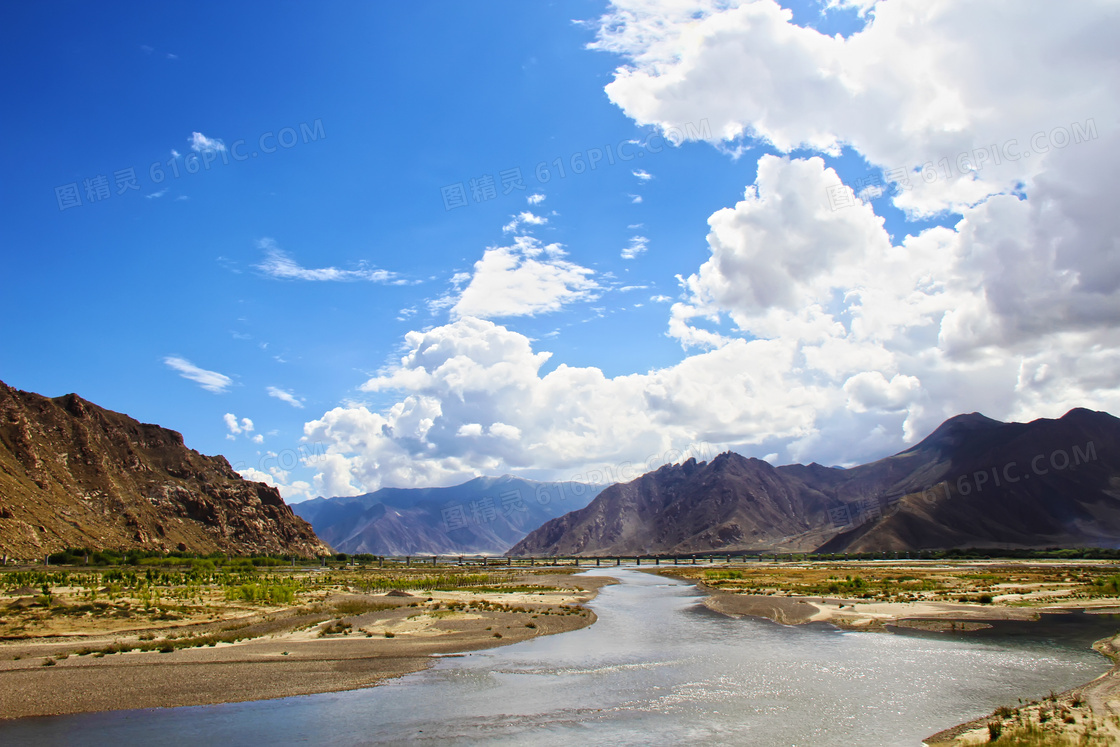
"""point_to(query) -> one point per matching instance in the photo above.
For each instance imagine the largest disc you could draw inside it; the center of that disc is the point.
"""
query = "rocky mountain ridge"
(73, 474)
(973, 482)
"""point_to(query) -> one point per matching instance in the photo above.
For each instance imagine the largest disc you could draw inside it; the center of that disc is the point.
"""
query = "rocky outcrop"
(73, 474)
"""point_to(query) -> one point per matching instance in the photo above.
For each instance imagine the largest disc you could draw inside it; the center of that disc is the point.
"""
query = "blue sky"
(289, 230)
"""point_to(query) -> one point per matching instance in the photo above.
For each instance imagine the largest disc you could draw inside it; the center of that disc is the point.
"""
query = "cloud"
(523, 279)
(284, 396)
(156, 195)
(807, 323)
(983, 312)
(469, 430)
(925, 80)
(635, 198)
(211, 381)
(469, 398)
(642, 174)
(984, 315)
(201, 144)
(524, 218)
(535, 199)
(174, 153)
(638, 245)
(231, 423)
(244, 427)
(277, 264)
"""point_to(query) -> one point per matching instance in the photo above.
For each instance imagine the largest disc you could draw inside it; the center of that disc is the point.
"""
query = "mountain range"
(973, 482)
(73, 474)
(485, 515)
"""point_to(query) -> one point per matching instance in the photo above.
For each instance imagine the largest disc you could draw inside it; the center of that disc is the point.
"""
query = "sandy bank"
(293, 652)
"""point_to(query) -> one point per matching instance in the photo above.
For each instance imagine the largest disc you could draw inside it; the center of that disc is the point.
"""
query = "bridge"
(486, 561)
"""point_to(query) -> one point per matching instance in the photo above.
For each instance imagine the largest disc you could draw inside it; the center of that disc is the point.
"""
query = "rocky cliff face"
(974, 482)
(73, 474)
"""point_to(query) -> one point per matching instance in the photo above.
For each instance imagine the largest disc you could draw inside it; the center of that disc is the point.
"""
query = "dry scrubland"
(945, 596)
(79, 639)
(189, 632)
(871, 594)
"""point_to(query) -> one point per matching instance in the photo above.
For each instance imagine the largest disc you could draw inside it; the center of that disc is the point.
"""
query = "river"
(656, 668)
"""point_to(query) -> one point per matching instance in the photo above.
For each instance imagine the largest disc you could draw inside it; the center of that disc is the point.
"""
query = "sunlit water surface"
(657, 668)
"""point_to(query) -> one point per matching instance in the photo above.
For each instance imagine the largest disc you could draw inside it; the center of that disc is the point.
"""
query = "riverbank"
(1085, 715)
(340, 642)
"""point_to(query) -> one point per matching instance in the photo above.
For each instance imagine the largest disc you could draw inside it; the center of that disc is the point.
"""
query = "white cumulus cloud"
(523, 279)
(807, 322)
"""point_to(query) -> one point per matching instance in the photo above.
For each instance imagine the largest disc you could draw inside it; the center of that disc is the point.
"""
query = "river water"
(657, 668)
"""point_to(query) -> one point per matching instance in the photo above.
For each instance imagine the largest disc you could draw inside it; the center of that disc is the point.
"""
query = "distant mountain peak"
(967, 484)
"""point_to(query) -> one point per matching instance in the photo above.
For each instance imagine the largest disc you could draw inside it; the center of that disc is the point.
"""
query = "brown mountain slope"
(729, 503)
(1045, 483)
(973, 482)
(73, 474)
